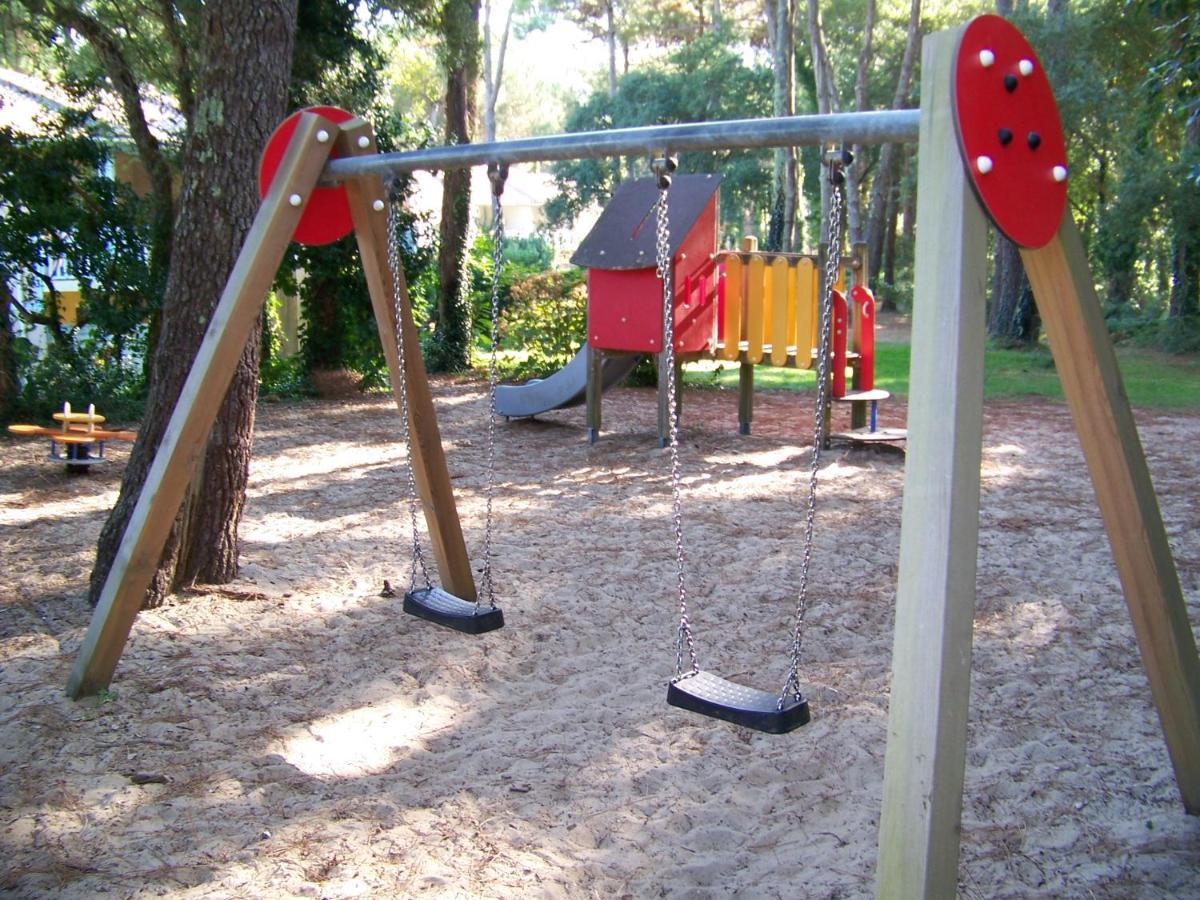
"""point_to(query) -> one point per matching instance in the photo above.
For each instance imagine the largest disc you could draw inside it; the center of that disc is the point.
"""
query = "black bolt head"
(1034, 140)
(1006, 137)
(1010, 82)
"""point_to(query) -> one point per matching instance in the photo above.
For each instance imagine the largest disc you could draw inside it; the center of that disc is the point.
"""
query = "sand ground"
(306, 738)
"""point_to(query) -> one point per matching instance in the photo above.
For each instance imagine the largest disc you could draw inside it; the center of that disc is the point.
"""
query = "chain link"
(662, 245)
(497, 174)
(833, 261)
(418, 556)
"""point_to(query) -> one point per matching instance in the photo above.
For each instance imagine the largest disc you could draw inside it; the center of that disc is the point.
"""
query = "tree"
(59, 205)
(881, 211)
(242, 64)
(781, 37)
(449, 347)
(701, 82)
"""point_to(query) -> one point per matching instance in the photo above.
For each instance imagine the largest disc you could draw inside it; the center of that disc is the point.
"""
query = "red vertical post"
(839, 344)
(865, 302)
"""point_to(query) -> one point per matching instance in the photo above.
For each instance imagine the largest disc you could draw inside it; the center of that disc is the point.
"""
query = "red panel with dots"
(326, 218)
(1009, 131)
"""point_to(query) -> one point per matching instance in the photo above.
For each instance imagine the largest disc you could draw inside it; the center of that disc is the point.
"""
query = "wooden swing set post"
(141, 547)
(259, 260)
(924, 764)
(939, 535)
(428, 456)
(1087, 367)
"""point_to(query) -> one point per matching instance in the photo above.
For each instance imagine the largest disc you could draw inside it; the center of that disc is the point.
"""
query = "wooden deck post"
(241, 302)
(428, 457)
(935, 602)
(1087, 367)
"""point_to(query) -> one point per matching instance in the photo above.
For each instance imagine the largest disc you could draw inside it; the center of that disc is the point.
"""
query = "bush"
(547, 318)
(80, 373)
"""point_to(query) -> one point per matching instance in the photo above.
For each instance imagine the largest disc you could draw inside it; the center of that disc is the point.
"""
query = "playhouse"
(744, 306)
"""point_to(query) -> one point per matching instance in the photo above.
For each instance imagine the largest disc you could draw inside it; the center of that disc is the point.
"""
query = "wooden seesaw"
(77, 441)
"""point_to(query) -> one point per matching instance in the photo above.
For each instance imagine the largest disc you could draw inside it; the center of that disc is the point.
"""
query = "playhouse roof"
(623, 236)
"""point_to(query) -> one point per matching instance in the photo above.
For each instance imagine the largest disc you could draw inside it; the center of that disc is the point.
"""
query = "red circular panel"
(327, 215)
(1009, 131)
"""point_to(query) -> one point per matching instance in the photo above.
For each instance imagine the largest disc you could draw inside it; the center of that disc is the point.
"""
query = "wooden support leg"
(595, 392)
(935, 601)
(240, 304)
(745, 397)
(428, 456)
(1087, 366)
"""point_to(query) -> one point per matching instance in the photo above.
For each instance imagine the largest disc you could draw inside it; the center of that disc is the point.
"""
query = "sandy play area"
(294, 734)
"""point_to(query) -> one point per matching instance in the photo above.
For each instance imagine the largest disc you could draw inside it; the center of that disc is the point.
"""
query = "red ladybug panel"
(326, 218)
(1009, 131)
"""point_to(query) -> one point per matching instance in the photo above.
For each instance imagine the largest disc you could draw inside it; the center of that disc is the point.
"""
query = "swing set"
(982, 85)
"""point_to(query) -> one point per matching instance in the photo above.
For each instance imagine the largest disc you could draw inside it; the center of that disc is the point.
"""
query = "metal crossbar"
(879, 127)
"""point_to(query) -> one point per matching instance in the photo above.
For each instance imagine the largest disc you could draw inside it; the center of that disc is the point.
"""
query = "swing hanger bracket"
(663, 167)
(836, 158)
(497, 173)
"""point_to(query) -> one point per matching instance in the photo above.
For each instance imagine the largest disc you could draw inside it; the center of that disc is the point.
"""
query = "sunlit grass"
(1151, 379)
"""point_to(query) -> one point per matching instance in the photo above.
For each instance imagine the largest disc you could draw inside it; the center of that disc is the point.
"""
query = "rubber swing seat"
(435, 605)
(711, 695)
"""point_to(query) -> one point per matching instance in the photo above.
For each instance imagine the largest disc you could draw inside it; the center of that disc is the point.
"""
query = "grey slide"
(566, 387)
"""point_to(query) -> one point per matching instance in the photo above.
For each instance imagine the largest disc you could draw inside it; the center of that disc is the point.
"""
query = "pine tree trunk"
(1185, 256)
(451, 349)
(883, 189)
(246, 52)
(8, 360)
(1010, 317)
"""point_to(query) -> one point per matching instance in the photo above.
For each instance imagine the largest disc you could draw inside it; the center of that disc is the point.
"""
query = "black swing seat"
(435, 605)
(711, 695)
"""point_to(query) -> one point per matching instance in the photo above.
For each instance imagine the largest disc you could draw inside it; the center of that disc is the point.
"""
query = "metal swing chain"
(418, 557)
(833, 261)
(497, 174)
(662, 170)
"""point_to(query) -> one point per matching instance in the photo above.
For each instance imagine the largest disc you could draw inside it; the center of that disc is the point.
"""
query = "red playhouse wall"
(625, 306)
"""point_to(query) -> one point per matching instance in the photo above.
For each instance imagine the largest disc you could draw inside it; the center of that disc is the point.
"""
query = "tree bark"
(451, 346)
(8, 360)
(611, 36)
(826, 90)
(857, 170)
(1010, 317)
(1184, 298)
(1007, 322)
(884, 185)
(781, 233)
(493, 77)
(245, 53)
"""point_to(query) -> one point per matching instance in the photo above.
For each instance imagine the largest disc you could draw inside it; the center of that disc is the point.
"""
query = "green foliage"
(60, 204)
(547, 318)
(702, 81)
(82, 371)
(522, 258)
(338, 330)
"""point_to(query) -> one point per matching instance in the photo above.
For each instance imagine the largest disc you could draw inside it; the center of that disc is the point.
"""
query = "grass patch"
(1151, 379)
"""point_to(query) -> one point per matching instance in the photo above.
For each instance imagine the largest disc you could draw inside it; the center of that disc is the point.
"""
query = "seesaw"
(77, 441)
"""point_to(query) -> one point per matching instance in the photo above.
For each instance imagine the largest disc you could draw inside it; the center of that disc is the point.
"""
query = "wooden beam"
(428, 456)
(1087, 367)
(935, 602)
(241, 302)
